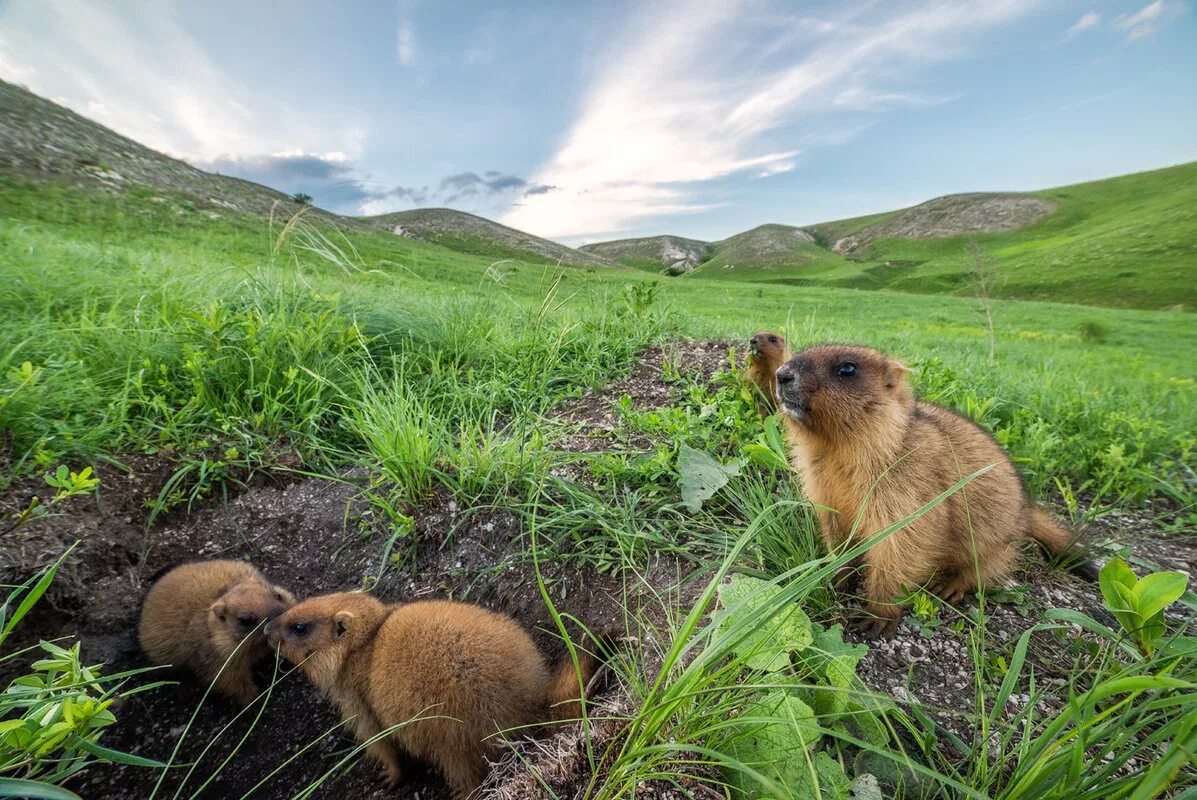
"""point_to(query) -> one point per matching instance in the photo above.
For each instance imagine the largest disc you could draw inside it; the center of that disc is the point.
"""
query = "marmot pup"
(869, 454)
(449, 675)
(766, 353)
(197, 614)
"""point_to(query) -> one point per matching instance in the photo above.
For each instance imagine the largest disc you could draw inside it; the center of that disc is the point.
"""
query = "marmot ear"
(342, 621)
(895, 373)
(218, 608)
(284, 596)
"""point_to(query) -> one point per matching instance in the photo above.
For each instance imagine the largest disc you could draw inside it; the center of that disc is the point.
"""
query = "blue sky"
(582, 122)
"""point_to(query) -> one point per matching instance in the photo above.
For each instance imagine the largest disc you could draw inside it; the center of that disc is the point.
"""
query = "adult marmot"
(766, 353)
(869, 454)
(196, 616)
(445, 676)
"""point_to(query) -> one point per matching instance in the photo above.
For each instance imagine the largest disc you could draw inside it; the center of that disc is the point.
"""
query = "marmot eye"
(299, 628)
(247, 620)
(773, 339)
(846, 369)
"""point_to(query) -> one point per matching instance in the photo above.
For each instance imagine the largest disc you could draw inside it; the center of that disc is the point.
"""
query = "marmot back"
(461, 672)
(869, 454)
(195, 616)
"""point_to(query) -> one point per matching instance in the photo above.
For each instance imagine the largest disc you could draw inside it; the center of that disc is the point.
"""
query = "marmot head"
(765, 346)
(244, 609)
(317, 633)
(836, 390)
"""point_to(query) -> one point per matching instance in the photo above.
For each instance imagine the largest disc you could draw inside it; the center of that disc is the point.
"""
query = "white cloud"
(405, 43)
(137, 69)
(1148, 19)
(1088, 20)
(687, 97)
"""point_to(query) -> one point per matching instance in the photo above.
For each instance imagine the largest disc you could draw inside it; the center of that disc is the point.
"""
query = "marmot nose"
(752, 341)
(785, 376)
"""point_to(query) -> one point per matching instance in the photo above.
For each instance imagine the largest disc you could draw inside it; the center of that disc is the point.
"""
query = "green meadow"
(227, 345)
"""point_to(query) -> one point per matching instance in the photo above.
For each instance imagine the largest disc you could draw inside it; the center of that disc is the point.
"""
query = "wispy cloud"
(1148, 19)
(1087, 21)
(405, 33)
(696, 91)
(136, 68)
(405, 43)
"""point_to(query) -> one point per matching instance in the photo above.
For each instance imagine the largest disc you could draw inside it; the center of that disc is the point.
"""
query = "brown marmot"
(766, 353)
(869, 454)
(445, 675)
(195, 616)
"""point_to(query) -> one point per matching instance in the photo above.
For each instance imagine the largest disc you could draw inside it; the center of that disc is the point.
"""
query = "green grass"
(1129, 241)
(140, 324)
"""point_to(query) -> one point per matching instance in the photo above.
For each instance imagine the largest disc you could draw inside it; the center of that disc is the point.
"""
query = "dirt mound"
(594, 414)
(313, 536)
(952, 215)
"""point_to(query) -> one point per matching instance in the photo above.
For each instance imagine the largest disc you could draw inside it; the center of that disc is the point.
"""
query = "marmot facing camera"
(869, 454)
(766, 353)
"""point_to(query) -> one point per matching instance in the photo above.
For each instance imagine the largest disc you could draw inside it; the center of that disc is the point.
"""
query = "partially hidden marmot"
(869, 454)
(195, 616)
(447, 676)
(766, 353)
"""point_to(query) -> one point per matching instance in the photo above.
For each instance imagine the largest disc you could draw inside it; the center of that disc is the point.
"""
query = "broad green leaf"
(767, 633)
(834, 661)
(1182, 646)
(1155, 592)
(779, 729)
(769, 450)
(34, 790)
(701, 476)
(832, 783)
(1115, 573)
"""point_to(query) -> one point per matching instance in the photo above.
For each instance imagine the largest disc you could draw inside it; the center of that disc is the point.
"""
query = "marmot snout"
(869, 455)
(445, 676)
(199, 616)
(766, 353)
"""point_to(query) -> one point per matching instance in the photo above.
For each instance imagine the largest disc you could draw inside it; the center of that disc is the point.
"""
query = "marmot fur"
(869, 454)
(449, 675)
(766, 353)
(195, 616)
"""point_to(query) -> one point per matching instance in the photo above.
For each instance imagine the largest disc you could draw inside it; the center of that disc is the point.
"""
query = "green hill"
(1128, 241)
(768, 250)
(676, 254)
(469, 233)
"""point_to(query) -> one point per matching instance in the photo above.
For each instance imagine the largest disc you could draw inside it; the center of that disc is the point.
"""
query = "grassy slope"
(765, 251)
(1129, 241)
(75, 266)
(474, 235)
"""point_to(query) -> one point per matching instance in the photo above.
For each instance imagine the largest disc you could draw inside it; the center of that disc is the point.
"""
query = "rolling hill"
(1124, 241)
(467, 233)
(676, 254)
(40, 139)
